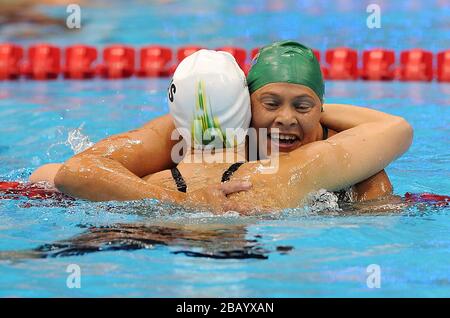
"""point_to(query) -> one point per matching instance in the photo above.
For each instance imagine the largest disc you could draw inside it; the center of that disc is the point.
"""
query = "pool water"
(149, 249)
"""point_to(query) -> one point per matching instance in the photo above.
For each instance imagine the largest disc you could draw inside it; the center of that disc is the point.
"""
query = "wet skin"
(294, 109)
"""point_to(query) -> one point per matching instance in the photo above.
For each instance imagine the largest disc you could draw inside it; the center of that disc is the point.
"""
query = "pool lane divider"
(17, 190)
(45, 61)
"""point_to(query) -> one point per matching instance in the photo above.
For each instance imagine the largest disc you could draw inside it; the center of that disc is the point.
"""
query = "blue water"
(321, 24)
(164, 251)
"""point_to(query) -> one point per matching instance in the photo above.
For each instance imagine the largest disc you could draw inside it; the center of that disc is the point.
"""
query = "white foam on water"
(77, 141)
(323, 201)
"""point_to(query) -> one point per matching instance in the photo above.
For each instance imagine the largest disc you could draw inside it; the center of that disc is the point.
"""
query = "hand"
(215, 197)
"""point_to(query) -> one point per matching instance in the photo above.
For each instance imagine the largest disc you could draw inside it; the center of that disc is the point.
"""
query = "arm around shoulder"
(358, 153)
(111, 169)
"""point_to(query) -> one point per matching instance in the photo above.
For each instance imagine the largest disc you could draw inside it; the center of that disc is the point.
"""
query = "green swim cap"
(286, 62)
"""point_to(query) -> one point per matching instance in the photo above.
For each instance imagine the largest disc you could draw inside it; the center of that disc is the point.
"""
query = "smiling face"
(292, 108)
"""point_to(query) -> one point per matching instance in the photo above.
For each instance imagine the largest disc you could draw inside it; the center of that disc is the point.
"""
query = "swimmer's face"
(293, 109)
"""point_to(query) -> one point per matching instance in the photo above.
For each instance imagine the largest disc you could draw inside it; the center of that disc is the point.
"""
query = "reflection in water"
(204, 240)
(209, 240)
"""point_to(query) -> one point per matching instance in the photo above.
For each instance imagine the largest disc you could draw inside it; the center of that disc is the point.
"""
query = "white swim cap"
(209, 100)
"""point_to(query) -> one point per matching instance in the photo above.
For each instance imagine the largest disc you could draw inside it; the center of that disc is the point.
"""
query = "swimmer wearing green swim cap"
(287, 91)
(286, 62)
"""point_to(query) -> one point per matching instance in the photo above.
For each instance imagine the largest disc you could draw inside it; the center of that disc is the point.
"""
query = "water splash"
(323, 201)
(78, 141)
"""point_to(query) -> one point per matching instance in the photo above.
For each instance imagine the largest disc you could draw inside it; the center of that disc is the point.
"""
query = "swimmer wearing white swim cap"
(209, 100)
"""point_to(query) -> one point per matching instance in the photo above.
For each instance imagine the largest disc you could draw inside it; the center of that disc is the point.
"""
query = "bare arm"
(45, 173)
(111, 169)
(333, 164)
(374, 187)
(101, 179)
(357, 153)
(341, 117)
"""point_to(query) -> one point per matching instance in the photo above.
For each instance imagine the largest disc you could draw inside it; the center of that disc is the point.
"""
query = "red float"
(79, 60)
(247, 66)
(16, 190)
(239, 54)
(118, 62)
(436, 199)
(154, 61)
(443, 68)
(416, 65)
(317, 55)
(185, 51)
(43, 62)
(253, 52)
(342, 64)
(378, 65)
(322, 67)
(10, 56)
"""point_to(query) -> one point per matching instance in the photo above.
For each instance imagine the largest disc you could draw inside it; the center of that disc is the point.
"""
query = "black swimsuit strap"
(179, 180)
(181, 184)
(232, 169)
(325, 132)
